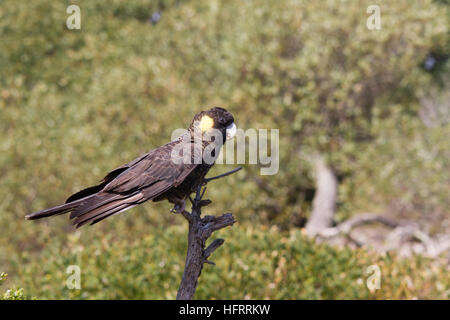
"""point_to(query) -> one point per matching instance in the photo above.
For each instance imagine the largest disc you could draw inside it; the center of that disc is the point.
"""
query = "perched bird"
(162, 173)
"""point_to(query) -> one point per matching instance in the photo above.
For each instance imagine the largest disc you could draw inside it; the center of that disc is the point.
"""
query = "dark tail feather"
(101, 209)
(85, 192)
(91, 209)
(71, 204)
(103, 215)
(64, 208)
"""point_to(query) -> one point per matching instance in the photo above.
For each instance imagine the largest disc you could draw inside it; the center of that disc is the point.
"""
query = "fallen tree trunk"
(324, 203)
(401, 234)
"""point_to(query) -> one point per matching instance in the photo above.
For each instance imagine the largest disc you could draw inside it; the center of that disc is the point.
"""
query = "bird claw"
(178, 207)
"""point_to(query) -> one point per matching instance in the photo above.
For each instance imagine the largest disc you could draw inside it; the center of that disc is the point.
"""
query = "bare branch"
(200, 229)
(212, 247)
(222, 175)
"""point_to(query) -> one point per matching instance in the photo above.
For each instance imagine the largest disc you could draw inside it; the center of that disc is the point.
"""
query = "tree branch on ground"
(401, 233)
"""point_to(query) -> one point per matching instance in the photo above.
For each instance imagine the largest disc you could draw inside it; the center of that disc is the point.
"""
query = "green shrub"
(254, 263)
(76, 104)
(11, 294)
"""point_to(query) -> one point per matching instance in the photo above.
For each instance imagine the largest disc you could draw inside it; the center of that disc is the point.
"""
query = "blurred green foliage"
(77, 103)
(11, 294)
(254, 263)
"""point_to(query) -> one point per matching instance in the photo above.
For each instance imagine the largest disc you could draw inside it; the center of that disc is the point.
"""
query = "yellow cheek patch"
(206, 123)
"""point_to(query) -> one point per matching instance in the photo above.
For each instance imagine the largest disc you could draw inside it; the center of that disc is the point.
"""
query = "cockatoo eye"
(231, 131)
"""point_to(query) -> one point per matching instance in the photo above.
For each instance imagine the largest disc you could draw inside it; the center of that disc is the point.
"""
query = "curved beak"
(231, 131)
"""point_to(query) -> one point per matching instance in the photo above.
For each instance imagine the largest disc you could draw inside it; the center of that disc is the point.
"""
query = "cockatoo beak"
(231, 131)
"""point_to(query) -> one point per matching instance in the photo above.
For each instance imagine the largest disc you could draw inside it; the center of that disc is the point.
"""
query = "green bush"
(11, 294)
(82, 102)
(254, 263)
